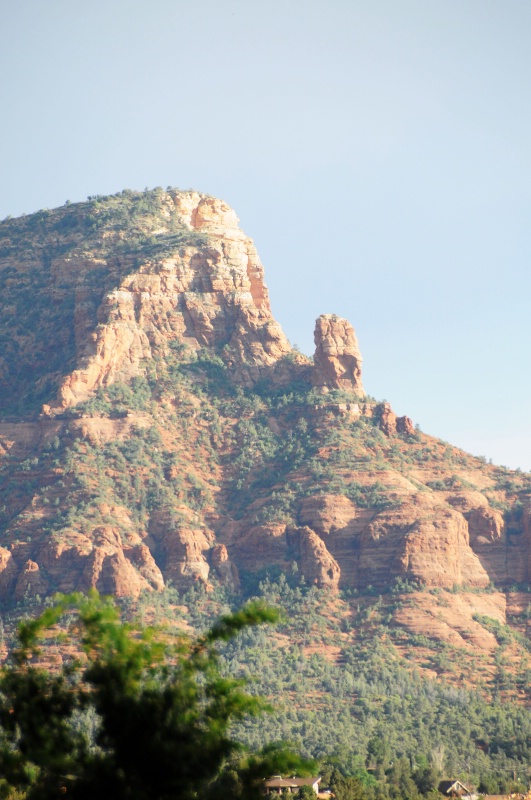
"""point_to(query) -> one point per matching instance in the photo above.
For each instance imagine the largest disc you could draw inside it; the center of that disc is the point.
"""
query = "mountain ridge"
(158, 428)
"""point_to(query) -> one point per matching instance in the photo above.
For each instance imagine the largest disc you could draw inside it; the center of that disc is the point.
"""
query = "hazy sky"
(378, 152)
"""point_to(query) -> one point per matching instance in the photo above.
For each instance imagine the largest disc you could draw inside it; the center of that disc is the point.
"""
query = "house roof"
(453, 787)
(277, 782)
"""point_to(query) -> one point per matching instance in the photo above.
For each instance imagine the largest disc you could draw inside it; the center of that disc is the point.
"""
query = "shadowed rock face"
(229, 482)
(337, 359)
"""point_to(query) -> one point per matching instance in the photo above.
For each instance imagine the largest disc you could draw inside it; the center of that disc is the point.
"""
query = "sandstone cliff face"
(226, 571)
(318, 566)
(104, 565)
(450, 618)
(240, 455)
(423, 541)
(209, 294)
(391, 424)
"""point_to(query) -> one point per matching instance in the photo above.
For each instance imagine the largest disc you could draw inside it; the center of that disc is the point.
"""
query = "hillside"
(157, 429)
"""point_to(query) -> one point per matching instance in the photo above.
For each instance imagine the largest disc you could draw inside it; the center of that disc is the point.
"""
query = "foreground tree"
(140, 716)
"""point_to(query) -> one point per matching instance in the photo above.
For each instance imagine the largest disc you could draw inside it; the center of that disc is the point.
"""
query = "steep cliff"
(157, 427)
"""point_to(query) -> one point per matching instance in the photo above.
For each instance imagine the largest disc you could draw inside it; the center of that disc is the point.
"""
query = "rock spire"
(337, 359)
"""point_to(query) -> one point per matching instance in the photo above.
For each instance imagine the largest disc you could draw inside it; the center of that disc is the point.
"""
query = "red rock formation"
(391, 424)
(207, 294)
(449, 618)
(316, 564)
(206, 290)
(436, 553)
(223, 566)
(8, 574)
(102, 562)
(184, 552)
(117, 575)
(405, 426)
(252, 548)
(30, 582)
(488, 537)
(388, 421)
(327, 514)
(141, 558)
(422, 541)
(337, 359)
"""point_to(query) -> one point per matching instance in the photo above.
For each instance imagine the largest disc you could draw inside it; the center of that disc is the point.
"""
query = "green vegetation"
(342, 693)
(359, 706)
(379, 730)
(183, 447)
(139, 716)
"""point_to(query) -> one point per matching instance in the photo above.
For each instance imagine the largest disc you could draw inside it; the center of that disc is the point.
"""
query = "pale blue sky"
(378, 152)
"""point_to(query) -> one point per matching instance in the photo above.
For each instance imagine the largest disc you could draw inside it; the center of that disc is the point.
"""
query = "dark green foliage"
(163, 712)
(367, 710)
(346, 787)
(117, 400)
(306, 793)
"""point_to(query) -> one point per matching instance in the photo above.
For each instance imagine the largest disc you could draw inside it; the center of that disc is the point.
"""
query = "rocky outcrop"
(101, 562)
(329, 514)
(225, 570)
(391, 424)
(452, 618)
(488, 537)
(113, 351)
(423, 541)
(337, 359)
(8, 573)
(435, 551)
(404, 425)
(202, 479)
(316, 564)
(30, 582)
(141, 558)
(254, 547)
(208, 292)
(387, 420)
(184, 556)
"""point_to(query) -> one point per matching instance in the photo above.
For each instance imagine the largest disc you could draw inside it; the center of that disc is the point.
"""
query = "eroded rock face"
(488, 537)
(184, 553)
(101, 560)
(337, 359)
(449, 618)
(435, 551)
(30, 582)
(141, 558)
(388, 420)
(207, 294)
(223, 497)
(405, 426)
(226, 571)
(423, 541)
(328, 514)
(259, 545)
(316, 564)
(8, 573)
(391, 424)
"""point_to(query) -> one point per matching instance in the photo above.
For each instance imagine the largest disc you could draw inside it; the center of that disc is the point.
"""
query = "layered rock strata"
(208, 293)
(226, 486)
